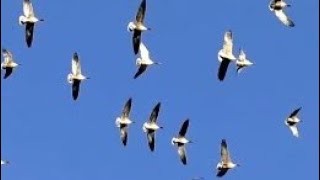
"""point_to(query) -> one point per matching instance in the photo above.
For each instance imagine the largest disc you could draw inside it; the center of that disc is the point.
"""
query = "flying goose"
(138, 26)
(150, 127)
(226, 163)
(277, 6)
(123, 122)
(181, 140)
(225, 55)
(292, 122)
(29, 19)
(8, 64)
(143, 61)
(75, 77)
(4, 162)
(242, 61)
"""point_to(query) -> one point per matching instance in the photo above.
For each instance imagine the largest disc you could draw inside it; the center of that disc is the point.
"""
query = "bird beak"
(161, 127)
(88, 78)
(41, 20)
(149, 29)
(158, 63)
(238, 165)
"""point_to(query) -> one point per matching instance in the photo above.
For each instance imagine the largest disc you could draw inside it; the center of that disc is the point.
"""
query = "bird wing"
(242, 55)
(228, 43)
(142, 69)
(295, 112)
(8, 73)
(75, 88)
(151, 140)
(124, 135)
(284, 18)
(75, 65)
(182, 154)
(222, 172)
(136, 39)
(154, 114)
(29, 33)
(223, 68)
(144, 52)
(27, 8)
(141, 11)
(294, 130)
(184, 128)
(225, 157)
(127, 108)
(7, 56)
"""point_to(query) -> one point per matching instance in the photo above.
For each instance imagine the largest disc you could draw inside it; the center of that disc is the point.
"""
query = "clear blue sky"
(46, 135)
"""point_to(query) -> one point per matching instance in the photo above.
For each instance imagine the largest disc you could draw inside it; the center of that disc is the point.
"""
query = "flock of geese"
(137, 27)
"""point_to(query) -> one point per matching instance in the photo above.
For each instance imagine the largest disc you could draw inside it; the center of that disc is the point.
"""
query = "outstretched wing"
(184, 128)
(151, 140)
(154, 114)
(182, 154)
(29, 33)
(223, 68)
(75, 64)
(127, 108)
(228, 42)
(144, 52)
(27, 8)
(124, 135)
(142, 69)
(136, 39)
(141, 11)
(7, 73)
(75, 89)
(7, 55)
(225, 157)
(295, 112)
(284, 18)
(222, 172)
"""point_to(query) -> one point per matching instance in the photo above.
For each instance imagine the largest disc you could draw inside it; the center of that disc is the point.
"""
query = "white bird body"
(226, 163)
(4, 162)
(123, 121)
(76, 73)
(277, 6)
(147, 126)
(181, 142)
(8, 63)
(242, 61)
(144, 61)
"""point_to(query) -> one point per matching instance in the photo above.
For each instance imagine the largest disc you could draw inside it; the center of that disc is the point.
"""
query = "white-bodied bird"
(150, 127)
(124, 121)
(8, 63)
(143, 61)
(29, 19)
(181, 141)
(138, 26)
(225, 55)
(292, 122)
(226, 163)
(242, 61)
(76, 77)
(4, 162)
(277, 6)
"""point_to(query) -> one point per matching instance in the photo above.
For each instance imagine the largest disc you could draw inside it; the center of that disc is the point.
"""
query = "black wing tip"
(157, 107)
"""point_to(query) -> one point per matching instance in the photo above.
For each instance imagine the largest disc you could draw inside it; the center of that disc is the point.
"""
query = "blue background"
(47, 135)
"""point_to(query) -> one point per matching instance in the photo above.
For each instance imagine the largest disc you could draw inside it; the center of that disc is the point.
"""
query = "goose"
(277, 6)
(292, 122)
(143, 61)
(75, 77)
(8, 64)
(225, 55)
(181, 141)
(4, 162)
(226, 163)
(150, 127)
(138, 26)
(29, 19)
(242, 61)
(123, 122)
